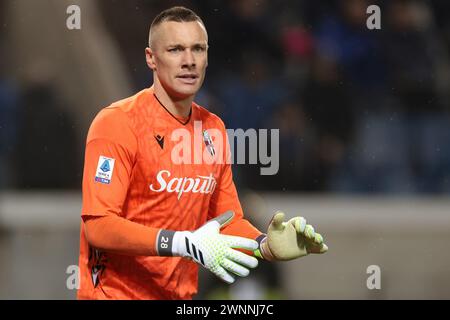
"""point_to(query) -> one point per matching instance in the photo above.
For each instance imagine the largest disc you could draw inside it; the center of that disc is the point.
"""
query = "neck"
(176, 106)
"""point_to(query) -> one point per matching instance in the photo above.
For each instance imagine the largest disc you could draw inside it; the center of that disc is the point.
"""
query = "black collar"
(183, 123)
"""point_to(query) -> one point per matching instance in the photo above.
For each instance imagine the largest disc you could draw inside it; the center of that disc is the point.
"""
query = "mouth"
(188, 78)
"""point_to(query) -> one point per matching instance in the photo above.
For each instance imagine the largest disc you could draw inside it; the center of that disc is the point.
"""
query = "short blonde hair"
(177, 14)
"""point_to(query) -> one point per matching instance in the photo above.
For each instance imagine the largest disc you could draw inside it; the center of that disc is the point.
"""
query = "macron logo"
(200, 184)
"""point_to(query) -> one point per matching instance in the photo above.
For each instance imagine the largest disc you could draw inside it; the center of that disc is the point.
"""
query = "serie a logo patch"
(104, 170)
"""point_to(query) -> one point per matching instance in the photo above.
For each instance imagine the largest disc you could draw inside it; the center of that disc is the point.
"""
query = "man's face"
(179, 56)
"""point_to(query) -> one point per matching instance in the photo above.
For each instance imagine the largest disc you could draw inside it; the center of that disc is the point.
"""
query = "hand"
(290, 240)
(213, 250)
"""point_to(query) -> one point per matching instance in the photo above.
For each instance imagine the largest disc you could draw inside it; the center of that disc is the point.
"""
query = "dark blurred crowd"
(358, 110)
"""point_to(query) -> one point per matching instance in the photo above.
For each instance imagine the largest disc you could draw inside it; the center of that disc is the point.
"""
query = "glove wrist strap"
(265, 250)
(171, 243)
(165, 243)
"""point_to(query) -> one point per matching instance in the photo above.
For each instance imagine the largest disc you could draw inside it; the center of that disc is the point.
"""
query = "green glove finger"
(318, 239)
(299, 224)
(222, 274)
(224, 219)
(322, 248)
(240, 242)
(277, 221)
(309, 231)
(235, 268)
(241, 258)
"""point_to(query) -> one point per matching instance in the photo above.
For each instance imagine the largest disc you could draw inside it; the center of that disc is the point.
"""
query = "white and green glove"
(289, 240)
(211, 249)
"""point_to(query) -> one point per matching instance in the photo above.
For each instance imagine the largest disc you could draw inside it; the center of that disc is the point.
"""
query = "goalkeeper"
(148, 220)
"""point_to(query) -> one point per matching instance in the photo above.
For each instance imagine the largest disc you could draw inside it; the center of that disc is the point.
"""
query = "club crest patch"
(105, 168)
(208, 142)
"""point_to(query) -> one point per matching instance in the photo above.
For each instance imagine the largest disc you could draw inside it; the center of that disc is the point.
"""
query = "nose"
(188, 59)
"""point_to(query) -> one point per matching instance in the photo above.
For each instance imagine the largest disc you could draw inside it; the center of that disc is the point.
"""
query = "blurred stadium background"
(364, 134)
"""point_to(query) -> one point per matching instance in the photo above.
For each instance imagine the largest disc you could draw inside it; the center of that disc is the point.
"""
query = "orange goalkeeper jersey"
(137, 167)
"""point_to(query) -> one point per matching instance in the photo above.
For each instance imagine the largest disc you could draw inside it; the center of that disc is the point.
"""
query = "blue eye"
(199, 49)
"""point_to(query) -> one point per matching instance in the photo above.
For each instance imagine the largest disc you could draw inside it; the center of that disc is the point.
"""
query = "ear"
(150, 58)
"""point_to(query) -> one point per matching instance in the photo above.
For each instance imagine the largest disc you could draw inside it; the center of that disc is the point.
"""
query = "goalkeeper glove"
(289, 240)
(211, 249)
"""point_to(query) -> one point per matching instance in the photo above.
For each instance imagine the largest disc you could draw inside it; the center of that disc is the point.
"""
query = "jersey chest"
(177, 164)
